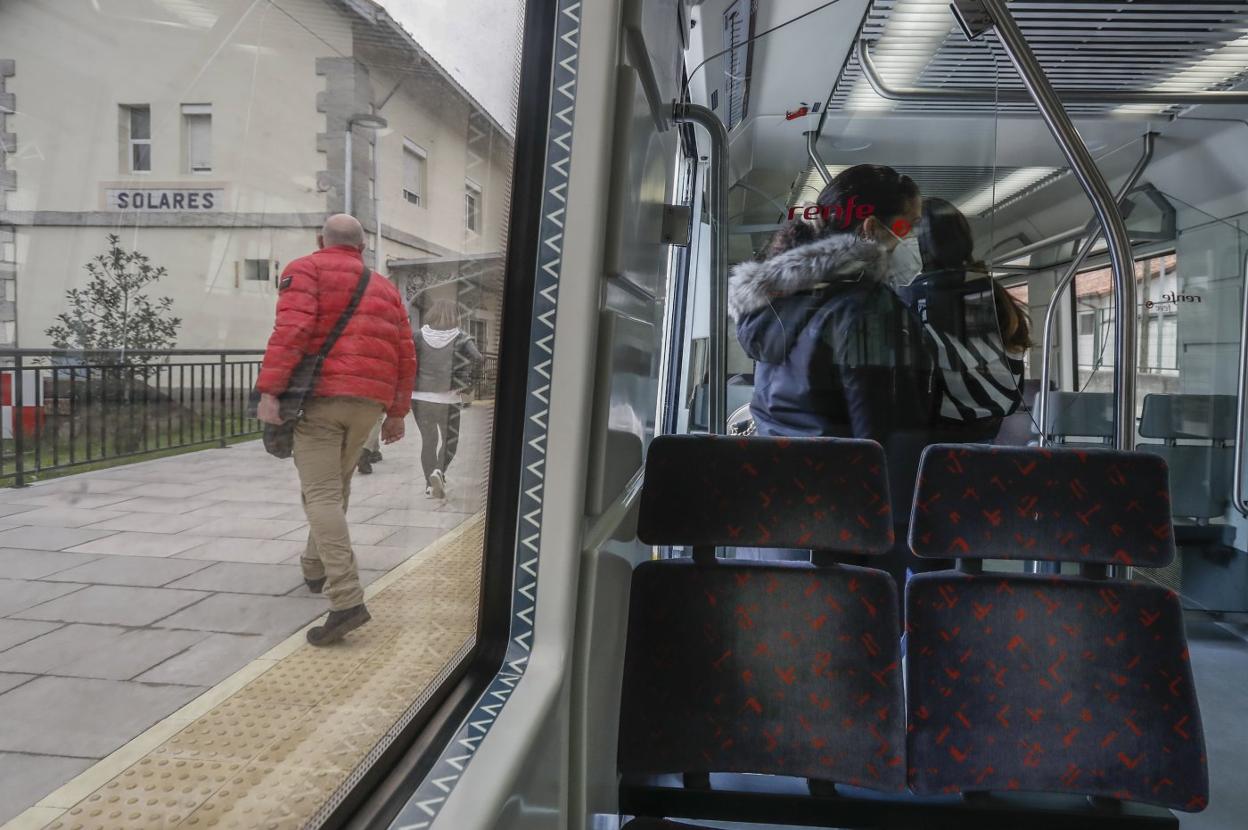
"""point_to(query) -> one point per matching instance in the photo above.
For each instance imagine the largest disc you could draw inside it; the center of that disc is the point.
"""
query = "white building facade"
(211, 135)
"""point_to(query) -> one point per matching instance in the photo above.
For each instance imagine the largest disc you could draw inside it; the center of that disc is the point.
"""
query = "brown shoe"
(338, 624)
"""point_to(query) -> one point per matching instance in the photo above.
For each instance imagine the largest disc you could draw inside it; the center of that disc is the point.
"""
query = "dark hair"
(946, 243)
(881, 189)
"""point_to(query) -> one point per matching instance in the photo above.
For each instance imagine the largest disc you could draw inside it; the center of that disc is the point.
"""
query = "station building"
(211, 135)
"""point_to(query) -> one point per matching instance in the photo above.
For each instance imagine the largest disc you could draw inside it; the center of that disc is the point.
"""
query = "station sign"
(164, 199)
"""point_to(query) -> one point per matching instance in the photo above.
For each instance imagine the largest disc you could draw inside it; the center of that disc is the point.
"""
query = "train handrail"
(1091, 233)
(598, 533)
(717, 213)
(1241, 411)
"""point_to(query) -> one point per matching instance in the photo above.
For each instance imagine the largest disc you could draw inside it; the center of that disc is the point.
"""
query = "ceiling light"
(1009, 185)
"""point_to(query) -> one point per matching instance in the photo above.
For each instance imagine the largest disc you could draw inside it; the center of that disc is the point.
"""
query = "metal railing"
(103, 406)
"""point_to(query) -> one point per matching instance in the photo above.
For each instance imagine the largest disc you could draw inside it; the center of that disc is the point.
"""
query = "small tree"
(112, 312)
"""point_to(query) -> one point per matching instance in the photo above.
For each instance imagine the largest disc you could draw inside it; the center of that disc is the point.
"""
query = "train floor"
(139, 602)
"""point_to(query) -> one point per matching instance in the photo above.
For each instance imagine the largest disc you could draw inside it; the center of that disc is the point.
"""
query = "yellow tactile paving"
(269, 754)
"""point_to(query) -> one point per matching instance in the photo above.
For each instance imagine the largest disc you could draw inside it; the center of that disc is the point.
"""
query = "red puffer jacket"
(374, 357)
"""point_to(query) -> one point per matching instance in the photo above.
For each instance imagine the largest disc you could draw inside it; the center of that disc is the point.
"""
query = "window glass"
(414, 160)
(171, 168)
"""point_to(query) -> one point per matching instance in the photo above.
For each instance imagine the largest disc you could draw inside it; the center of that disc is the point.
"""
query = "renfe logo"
(1173, 298)
(845, 214)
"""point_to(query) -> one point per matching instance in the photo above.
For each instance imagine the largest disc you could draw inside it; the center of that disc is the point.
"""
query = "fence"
(104, 406)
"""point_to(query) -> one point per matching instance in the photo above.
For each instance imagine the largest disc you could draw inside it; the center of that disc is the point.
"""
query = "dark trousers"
(439, 434)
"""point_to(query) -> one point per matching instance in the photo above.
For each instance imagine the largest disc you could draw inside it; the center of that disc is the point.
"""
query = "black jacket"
(837, 352)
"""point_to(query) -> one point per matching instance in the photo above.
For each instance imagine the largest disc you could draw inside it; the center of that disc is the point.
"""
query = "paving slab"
(85, 501)
(142, 571)
(91, 483)
(158, 504)
(112, 604)
(211, 659)
(241, 527)
(25, 779)
(259, 551)
(410, 539)
(172, 491)
(249, 614)
(245, 509)
(418, 518)
(13, 632)
(37, 564)
(361, 534)
(103, 651)
(12, 681)
(129, 543)
(82, 717)
(62, 517)
(49, 538)
(149, 523)
(8, 509)
(17, 595)
(243, 578)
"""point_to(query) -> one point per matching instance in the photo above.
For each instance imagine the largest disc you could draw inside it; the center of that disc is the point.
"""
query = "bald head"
(342, 229)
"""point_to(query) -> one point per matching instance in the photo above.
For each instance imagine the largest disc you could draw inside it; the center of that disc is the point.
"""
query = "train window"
(205, 617)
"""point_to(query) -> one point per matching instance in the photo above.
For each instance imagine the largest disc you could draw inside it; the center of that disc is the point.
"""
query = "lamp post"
(373, 122)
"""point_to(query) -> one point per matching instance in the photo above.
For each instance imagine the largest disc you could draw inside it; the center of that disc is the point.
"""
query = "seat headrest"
(1055, 504)
(1211, 417)
(818, 493)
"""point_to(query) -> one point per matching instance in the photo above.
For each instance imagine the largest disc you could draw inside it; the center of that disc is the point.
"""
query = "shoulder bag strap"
(345, 317)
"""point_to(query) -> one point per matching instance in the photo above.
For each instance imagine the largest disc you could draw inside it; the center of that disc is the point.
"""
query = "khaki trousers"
(328, 440)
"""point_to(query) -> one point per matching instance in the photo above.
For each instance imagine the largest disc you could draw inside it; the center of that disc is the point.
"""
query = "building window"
(197, 137)
(472, 206)
(136, 123)
(256, 270)
(477, 328)
(415, 161)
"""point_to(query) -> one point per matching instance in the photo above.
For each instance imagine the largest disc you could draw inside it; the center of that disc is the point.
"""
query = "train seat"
(1200, 473)
(1043, 683)
(782, 669)
(1081, 418)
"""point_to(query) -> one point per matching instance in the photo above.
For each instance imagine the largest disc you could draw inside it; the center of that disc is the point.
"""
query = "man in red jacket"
(369, 370)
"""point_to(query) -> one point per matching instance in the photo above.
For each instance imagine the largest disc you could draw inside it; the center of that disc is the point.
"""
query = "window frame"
(131, 142)
(421, 199)
(474, 201)
(191, 112)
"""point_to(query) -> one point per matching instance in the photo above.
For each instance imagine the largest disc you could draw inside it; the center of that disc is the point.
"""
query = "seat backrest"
(1200, 477)
(1048, 683)
(1186, 416)
(770, 668)
(1081, 415)
(1095, 506)
(820, 493)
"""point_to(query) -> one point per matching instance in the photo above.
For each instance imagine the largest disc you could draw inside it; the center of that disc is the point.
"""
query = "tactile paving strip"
(269, 756)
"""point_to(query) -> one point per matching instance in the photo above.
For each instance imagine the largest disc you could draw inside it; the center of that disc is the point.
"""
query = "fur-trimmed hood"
(752, 285)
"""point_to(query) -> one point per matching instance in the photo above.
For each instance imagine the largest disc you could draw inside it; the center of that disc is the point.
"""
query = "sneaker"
(428, 492)
(338, 624)
(365, 467)
(315, 585)
(437, 484)
(374, 456)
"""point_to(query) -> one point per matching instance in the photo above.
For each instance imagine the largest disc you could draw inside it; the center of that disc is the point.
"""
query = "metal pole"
(1093, 183)
(378, 258)
(19, 445)
(1091, 233)
(346, 173)
(992, 95)
(1241, 411)
(717, 186)
(811, 137)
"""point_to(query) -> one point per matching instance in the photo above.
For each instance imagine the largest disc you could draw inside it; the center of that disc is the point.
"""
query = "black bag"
(279, 439)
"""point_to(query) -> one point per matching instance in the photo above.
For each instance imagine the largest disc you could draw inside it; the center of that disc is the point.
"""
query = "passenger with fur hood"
(837, 352)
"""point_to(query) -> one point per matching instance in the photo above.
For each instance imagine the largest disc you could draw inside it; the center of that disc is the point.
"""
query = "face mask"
(905, 263)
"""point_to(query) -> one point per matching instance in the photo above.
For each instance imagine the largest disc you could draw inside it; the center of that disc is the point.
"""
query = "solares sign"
(164, 199)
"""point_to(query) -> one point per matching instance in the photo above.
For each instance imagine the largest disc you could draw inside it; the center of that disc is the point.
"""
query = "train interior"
(789, 83)
(622, 613)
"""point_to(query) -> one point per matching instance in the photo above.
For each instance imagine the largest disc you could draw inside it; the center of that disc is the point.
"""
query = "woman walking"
(447, 361)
